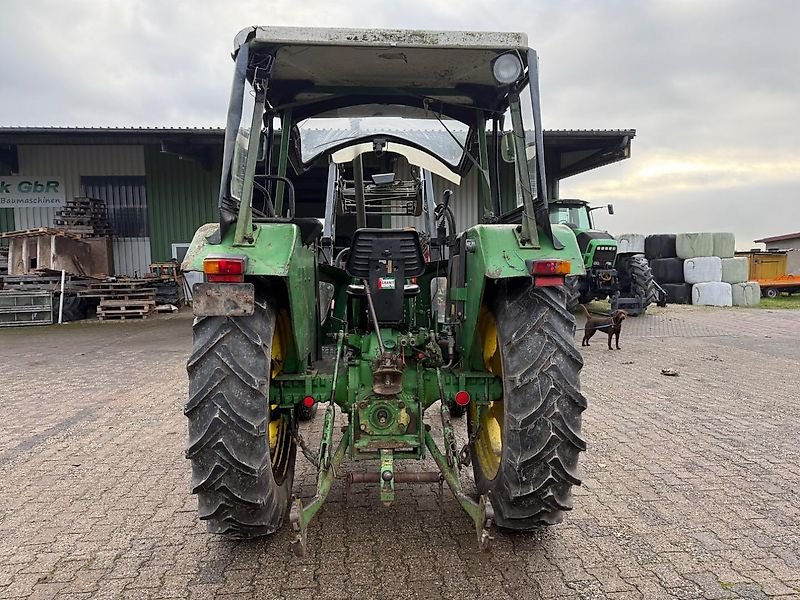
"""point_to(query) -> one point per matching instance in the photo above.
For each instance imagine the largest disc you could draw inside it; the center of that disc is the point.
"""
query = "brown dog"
(611, 325)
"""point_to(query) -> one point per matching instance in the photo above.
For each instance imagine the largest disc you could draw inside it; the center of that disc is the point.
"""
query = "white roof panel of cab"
(399, 38)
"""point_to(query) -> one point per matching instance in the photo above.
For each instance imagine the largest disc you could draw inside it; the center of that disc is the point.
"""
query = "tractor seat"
(385, 259)
(356, 289)
(310, 229)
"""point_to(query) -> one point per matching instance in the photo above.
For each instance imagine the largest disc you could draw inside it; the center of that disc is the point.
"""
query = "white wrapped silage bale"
(735, 270)
(702, 269)
(692, 245)
(630, 242)
(724, 244)
(712, 293)
(746, 294)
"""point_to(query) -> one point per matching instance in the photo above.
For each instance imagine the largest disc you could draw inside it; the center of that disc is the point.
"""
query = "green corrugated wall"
(181, 196)
(6, 214)
(6, 219)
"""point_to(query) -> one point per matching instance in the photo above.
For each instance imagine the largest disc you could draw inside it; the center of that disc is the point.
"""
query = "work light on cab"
(507, 68)
(229, 269)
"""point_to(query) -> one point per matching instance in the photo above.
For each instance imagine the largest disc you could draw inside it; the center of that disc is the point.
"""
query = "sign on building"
(24, 191)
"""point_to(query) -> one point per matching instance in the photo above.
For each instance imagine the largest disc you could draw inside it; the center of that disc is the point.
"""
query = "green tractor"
(622, 277)
(337, 275)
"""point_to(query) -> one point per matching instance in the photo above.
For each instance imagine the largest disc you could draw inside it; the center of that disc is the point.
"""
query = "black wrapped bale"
(678, 293)
(660, 245)
(667, 270)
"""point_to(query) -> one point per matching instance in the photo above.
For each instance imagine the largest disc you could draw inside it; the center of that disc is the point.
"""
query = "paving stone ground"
(691, 483)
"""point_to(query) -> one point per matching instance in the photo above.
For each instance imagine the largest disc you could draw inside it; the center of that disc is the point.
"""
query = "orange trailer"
(769, 270)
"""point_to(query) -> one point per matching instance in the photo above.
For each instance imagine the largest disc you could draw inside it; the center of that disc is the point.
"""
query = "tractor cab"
(598, 247)
(623, 277)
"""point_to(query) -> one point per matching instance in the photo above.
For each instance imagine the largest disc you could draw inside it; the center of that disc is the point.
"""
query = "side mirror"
(611, 209)
(507, 149)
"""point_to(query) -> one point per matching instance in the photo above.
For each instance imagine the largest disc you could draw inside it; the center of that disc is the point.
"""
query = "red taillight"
(548, 268)
(308, 401)
(224, 270)
(549, 272)
(462, 398)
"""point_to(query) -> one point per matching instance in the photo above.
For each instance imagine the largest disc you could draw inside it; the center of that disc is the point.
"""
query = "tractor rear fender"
(492, 253)
(278, 255)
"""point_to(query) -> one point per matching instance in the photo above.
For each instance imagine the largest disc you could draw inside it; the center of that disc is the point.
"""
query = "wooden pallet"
(119, 289)
(122, 315)
(125, 309)
(165, 270)
(140, 295)
(124, 299)
(47, 280)
(33, 232)
(82, 230)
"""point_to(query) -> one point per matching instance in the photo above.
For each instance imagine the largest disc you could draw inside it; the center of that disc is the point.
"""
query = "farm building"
(160, 184)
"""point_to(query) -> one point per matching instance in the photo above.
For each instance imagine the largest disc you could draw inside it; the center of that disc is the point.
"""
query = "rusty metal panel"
(223, 299)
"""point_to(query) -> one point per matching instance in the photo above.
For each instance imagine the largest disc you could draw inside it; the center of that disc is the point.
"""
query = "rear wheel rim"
(489, 442)
(280, 434)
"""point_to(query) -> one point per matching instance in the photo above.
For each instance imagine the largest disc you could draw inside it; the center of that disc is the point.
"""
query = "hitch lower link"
(479, 510)
(300, 515)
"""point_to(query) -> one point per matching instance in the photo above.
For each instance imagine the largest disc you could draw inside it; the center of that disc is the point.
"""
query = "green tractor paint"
(622, 277)
(338, 276)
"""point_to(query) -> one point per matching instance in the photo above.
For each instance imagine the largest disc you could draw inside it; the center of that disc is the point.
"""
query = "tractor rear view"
(622, 277)
(331, 298)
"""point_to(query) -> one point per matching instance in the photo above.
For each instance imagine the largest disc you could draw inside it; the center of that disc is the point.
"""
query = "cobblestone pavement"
(691, 483)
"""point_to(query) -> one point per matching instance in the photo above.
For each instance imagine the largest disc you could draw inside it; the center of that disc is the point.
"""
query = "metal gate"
(126, 201)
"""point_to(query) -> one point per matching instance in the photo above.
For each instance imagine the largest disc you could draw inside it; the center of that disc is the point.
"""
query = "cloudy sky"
(712, 87)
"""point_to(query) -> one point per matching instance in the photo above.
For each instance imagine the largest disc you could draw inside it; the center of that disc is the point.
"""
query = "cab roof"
(314, 66)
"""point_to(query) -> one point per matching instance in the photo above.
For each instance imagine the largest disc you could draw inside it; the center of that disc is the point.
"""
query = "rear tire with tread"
(573, 292)
(638, 277)
(541, 438)
(239, 492)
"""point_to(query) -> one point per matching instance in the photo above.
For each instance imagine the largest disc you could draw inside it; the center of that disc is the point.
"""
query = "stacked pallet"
(84, 216)
(123, 299)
